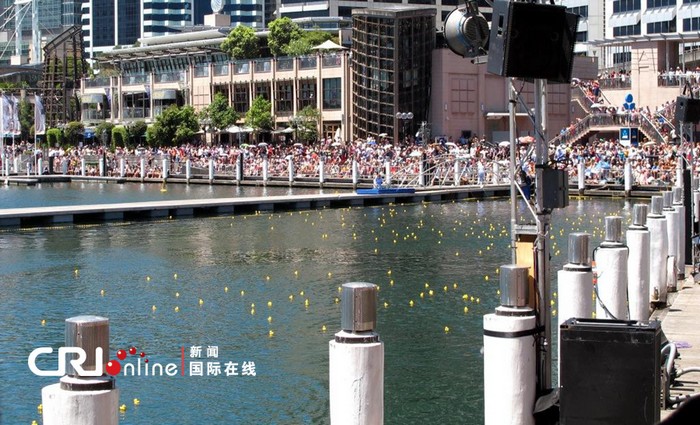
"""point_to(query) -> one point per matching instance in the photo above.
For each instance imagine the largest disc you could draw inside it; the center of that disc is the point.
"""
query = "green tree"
(219, 114)
(305, 124)
(137, 132)
(26, 119)
(299, 47)
(241, 43)
(54, 137)
(103, 128)
(282, 32)
(259, 116)
(316, 37)
(175, 125)
(73, 132)
(119, 137)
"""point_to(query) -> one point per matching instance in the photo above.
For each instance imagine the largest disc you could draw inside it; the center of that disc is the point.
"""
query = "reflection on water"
(431, 254)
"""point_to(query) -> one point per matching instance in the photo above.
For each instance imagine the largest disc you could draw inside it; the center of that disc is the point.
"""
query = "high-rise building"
(343, 8)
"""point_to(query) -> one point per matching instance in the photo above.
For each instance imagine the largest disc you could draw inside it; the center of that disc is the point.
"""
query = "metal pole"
(544, 314)
(511, 171)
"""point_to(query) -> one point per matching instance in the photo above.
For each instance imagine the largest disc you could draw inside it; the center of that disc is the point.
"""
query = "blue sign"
(634, 136)
(625, 134)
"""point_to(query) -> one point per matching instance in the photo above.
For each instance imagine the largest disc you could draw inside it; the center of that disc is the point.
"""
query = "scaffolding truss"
(64, 67)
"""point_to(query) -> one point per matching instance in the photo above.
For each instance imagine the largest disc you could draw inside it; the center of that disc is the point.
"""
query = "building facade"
(391, 63)
(344, 8)
(190, 69)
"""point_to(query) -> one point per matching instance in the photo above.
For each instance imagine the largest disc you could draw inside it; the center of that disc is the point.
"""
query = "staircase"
(597, 121)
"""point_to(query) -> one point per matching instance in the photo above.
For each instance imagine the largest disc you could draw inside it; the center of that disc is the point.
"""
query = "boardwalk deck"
(680, 323)
(77, 214)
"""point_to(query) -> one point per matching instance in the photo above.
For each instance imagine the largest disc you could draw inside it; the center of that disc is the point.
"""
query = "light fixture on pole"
(404, 117)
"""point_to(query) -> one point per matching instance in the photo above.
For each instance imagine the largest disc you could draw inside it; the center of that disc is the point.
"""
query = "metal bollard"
(356, 360)
(79, 399)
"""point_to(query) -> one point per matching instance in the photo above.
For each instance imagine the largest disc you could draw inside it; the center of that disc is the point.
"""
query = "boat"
(385, 190)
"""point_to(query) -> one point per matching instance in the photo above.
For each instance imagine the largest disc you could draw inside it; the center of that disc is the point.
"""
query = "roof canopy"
(329, 45)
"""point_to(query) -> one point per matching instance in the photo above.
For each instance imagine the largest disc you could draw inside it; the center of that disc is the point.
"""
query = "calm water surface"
(432, 254)
(81, 193)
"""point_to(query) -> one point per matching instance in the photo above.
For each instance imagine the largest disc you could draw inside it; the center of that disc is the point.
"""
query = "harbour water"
(264, 288)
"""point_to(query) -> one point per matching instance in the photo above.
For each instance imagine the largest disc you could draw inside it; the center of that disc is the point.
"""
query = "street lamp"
(404, 117)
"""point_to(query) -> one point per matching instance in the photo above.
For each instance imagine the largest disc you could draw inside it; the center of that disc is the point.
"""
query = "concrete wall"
(465, 97)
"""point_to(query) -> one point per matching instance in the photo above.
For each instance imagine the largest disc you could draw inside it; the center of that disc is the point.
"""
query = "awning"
(92, 98)
(165, 94)
(660, 14)
(236, 129)
(624, 19)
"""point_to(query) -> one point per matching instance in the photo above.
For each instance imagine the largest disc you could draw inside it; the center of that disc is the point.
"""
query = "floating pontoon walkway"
(98, 213)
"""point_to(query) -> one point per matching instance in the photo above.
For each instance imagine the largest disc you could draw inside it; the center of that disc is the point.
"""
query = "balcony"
(135, 79)
(263, 65)
(221, 69)
(285, 64)
(96, 82)
(307, 62)
(170, 77)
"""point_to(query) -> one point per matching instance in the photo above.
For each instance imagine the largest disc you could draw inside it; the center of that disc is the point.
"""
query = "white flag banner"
(16, 126)
(39, 116)
(6, 120)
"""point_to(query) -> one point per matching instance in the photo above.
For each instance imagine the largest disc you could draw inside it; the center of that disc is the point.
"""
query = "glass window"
(331, 93)
(241, 98)
(283, 96)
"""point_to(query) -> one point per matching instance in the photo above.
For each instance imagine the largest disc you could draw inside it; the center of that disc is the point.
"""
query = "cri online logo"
(113, 367)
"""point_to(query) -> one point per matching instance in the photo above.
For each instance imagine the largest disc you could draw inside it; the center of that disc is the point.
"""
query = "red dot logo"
(121, 354)
(113, 367)
(142, 354)
(132, 350)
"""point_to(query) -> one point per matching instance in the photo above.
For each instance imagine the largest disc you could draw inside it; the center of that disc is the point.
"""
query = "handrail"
(646, 122)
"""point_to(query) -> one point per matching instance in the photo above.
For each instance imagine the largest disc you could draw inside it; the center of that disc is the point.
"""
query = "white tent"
(329, 45)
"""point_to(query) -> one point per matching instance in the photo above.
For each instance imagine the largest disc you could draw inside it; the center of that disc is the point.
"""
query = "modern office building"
(344, 8)
(55, 16)
(108, 23)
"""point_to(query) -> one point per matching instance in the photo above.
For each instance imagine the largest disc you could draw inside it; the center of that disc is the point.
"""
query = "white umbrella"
(336, 144)
(297, 144)
(504, 144)
(236, 129)
(597, 105)
(383, 134)
(262, 144)
(416, 153)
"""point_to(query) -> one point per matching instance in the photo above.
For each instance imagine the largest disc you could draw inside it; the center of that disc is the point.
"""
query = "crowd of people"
(480, 161)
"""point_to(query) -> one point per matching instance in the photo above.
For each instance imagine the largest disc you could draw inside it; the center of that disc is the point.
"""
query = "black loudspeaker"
(687, 109)
(532, 40)
(610, 372)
